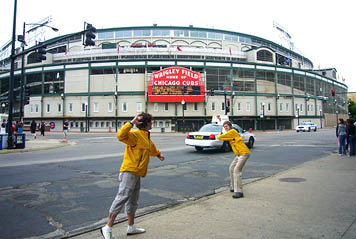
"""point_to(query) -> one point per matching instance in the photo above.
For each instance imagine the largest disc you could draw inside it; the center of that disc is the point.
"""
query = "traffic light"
(211, 91)
(42, 53)
(333, 92)
(89, 35)
(27, 95)
(228, 105)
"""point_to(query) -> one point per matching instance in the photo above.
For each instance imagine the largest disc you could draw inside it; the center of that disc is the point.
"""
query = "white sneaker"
(134, 230)
(106, 232)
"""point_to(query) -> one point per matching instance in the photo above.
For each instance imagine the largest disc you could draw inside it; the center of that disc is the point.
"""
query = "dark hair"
(349, 122)
(146, 118)
(228, 123)
(341, 121)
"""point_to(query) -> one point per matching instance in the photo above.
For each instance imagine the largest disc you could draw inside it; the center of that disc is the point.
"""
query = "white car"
(206, 137)
(306, 126)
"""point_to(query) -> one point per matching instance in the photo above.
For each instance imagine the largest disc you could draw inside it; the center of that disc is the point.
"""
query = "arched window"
(264, 55)
(33, 58)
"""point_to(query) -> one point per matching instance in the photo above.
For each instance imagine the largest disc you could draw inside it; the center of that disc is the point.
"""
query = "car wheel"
(309, 129)
(250, 143)
(199, 148)
(297, 131)
(225, 147)
(315, 130)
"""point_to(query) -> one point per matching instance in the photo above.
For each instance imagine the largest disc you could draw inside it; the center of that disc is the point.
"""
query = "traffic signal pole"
(22, 73)
(41, 50)
(225, 103)
(10, 138)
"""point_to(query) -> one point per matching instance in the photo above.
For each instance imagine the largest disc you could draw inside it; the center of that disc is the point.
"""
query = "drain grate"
(292, 180)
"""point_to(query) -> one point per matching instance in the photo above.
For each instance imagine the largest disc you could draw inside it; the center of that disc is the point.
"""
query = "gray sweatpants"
(236, 171)
(128, 193)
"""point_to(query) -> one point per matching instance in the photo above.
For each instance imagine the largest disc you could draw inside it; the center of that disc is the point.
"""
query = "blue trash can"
(3, 141)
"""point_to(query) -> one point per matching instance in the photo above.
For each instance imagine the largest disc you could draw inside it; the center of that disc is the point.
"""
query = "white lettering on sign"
(177, 83)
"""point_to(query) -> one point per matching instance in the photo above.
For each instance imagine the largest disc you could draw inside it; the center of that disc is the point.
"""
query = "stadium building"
(165, 69)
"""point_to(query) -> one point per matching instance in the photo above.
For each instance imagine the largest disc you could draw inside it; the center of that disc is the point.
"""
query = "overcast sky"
(322, 30)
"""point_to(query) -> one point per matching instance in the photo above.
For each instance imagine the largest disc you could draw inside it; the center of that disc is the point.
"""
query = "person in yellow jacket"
(139, 149)
(242, 153)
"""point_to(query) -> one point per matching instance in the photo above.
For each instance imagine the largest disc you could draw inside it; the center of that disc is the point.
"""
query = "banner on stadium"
(174, 84)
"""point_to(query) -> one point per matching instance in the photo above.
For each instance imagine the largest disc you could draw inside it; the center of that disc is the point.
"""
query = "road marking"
(79, 158)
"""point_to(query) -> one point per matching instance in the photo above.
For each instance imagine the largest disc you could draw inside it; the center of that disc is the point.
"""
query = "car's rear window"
(211, 128)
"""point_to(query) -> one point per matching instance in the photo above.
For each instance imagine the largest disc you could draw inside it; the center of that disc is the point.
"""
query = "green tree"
(352, 109)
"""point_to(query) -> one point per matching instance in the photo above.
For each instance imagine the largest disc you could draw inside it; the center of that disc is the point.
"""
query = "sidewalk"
(314, 200)
(39, 144)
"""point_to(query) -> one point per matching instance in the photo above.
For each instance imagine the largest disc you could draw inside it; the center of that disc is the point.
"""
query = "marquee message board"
(174, 84)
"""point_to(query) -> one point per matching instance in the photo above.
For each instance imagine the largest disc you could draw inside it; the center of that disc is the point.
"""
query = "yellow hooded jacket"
(237, 144)
(139, 148)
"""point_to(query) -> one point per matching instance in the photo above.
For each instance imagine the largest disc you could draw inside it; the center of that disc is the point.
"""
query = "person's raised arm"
(125, 135)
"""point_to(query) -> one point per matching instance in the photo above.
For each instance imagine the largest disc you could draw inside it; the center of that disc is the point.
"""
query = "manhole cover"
(292, 180)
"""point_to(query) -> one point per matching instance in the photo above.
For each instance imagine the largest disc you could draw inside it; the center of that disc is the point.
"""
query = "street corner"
(39, 144)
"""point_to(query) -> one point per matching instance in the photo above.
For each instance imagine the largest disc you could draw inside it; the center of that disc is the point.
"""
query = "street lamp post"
(116, 110)
(3, 107)
(225, 102)
(337, 116)
(86, 118)
(63, 108)
(22, 39)
(263, 115)
(183, 102)
(321, 119)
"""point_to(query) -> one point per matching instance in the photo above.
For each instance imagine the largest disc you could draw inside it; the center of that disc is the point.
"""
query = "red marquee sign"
(174, 84)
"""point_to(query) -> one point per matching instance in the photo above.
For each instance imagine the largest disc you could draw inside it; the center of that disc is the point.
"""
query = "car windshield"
(238, 128)
(211, 128)
(306, 123)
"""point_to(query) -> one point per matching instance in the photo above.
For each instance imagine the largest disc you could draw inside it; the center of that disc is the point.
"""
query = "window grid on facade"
(248, 107)
(264, 55)
(124, 107)
(138, 107)
(83, 107)
(195, 106)
(96, 107)
(110, 107)
(155, 107)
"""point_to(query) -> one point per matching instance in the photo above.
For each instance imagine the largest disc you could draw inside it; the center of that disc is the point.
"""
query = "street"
(62, 192)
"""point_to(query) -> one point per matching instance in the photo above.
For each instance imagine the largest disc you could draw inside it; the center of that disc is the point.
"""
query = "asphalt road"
(69, 190)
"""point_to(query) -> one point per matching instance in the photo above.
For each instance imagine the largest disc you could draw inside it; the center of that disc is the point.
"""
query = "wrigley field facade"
(163, 70)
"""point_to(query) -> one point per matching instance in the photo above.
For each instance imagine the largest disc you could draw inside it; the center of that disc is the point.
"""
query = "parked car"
(206, 137)
(306, 126)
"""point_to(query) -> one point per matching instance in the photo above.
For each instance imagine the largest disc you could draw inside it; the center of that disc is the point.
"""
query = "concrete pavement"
(314, 200)
(38, 144)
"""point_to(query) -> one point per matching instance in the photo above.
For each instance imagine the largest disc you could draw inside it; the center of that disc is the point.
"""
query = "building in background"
(165, 69)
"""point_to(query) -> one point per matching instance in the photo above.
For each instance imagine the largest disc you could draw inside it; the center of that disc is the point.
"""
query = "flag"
(230, 51)
(118, 49)
(67, 47)
(3, 64)
(178, 48)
